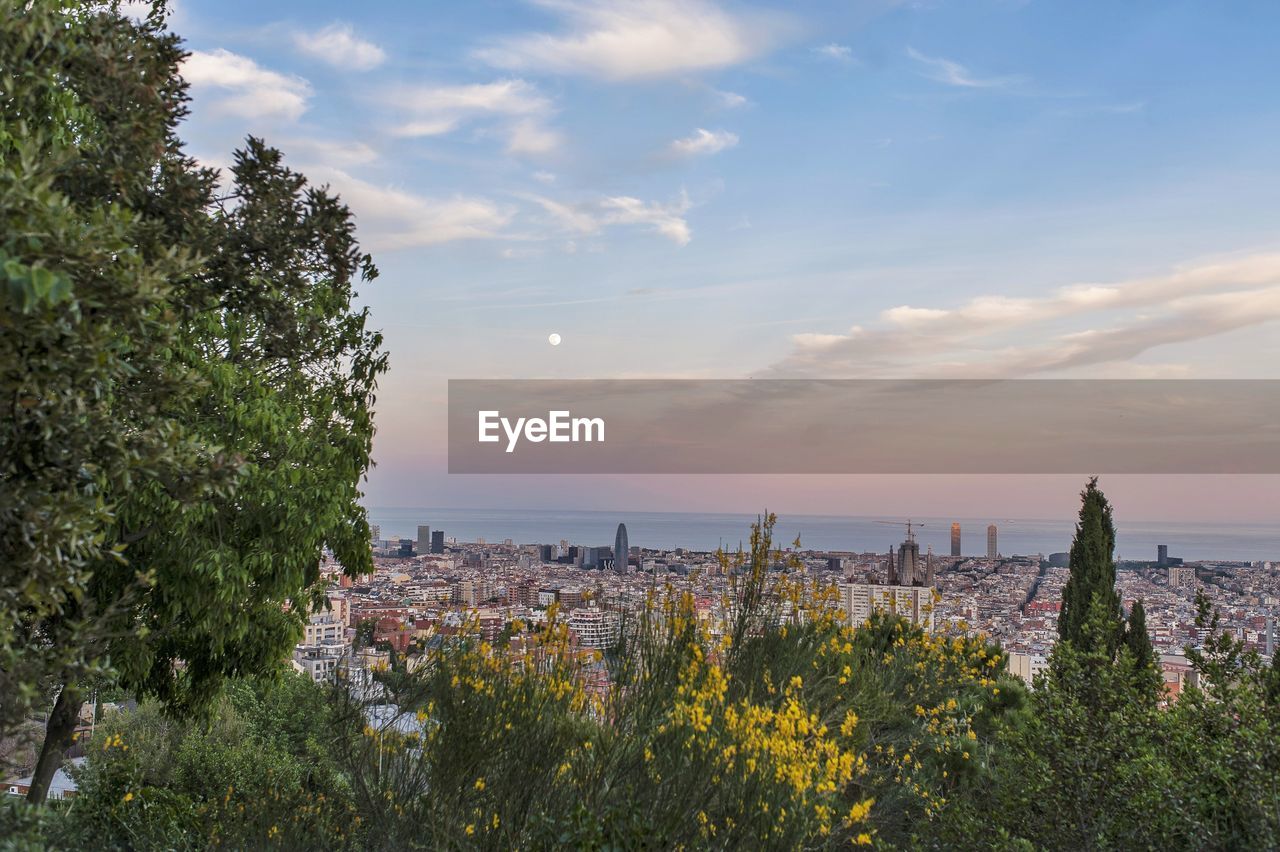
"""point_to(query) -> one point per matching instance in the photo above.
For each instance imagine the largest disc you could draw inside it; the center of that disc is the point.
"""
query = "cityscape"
(428, 585)
(639, 425)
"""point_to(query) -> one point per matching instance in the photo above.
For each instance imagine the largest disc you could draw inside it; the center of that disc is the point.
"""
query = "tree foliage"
(190, 390)
(1093, 574)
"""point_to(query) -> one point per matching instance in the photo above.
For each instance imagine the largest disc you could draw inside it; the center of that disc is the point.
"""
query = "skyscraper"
(955, 538)
(424, 538)
(1162, 555)
(992, 550)
(437, 541)
(620, 549)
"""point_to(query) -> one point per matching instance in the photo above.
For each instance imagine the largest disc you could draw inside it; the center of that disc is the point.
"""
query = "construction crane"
(908, 523)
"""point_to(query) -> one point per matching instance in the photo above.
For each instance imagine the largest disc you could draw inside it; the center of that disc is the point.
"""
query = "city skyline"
(998, 189)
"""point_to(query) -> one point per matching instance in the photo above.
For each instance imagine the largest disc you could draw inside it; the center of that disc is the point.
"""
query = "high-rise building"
(375, 533)
(1162, 555)
(406, 547)
(437, 541)
(620, 549)
(955, 538)
(992, 550)
(424, 538)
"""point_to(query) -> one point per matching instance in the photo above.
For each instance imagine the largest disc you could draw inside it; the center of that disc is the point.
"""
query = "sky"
(698, 189)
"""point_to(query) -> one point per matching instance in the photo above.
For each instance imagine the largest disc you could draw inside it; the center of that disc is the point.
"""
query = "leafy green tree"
(1224, 741)
(191, 388)
(86, 337)
(1089, 770)
(258, 774)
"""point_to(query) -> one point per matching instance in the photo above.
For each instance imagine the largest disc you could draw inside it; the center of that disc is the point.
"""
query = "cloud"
(392, 218)
(635, 39)
(591, 217)
(666, 219)
(704, 142)
(1001, 336)
(517, 105)
(328, 151)
(955, 74)
(252, 91)
(834, 52)
(530, 137)
(339, 46)
(502, 97)
(730, 100)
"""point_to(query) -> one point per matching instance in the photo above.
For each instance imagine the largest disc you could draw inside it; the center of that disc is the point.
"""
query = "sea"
(701, 531)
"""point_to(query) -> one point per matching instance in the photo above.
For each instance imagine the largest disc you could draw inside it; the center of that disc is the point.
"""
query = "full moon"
(553, 339)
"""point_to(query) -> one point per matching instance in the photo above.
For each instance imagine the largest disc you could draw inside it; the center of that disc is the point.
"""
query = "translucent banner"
(864, 426)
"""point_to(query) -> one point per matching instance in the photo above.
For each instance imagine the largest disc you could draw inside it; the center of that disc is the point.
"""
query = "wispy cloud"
(249, 90)
(730, 100)
(517, 104)
(328, 151)
(631, 39)
(393, 218)
(590, 217)
(1002, 336)
(339, 46)
(704, 142)
(834, 52)
(955, 74)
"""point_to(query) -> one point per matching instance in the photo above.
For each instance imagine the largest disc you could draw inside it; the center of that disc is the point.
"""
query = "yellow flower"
(863, 839)
(128, 797)
(859, 811)
(471, 829)
(479, 783)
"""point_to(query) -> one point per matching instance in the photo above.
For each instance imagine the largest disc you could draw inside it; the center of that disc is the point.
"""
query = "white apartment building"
(594, 628)
(859, 600)
(1027, 666)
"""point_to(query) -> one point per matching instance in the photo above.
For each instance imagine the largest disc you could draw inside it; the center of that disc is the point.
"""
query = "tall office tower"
(437, 541)
(424, 538)
(955, 538)
(992, 550)
(1162, 555)
(546, 552)
(620, 549)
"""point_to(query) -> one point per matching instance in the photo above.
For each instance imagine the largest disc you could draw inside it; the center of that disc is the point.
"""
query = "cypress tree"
(1146, 674)
(1136, 638)
(1093, 571)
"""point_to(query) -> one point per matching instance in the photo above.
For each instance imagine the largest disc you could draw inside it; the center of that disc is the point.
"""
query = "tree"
(1142, 655)
(86, 334)
(1093, 572)
(260, 774)
(187, 366)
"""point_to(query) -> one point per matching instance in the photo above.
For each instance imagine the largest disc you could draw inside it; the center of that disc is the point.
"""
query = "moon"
(553, 339)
